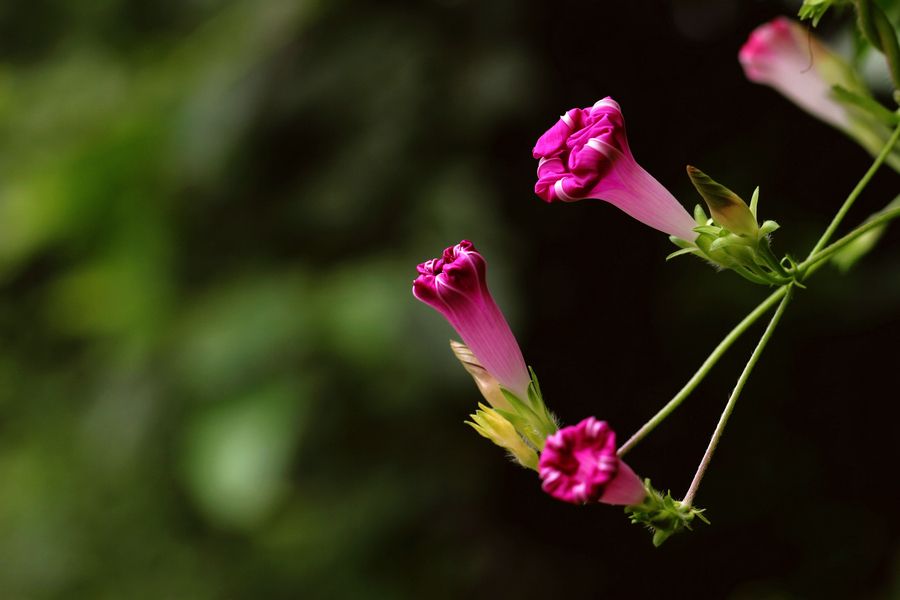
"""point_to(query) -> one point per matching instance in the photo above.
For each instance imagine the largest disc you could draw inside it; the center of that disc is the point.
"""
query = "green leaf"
(848, 256)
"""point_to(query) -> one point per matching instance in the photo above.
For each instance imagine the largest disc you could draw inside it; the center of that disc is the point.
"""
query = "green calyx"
(663, 515)
(530, 416)
(731, 238)
(521, 428)
(726, 207)
(814, 10)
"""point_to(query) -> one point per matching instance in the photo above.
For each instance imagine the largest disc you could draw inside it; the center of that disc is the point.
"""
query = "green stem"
(806, 268)
(876, 220)
(732, 400)
(705, 368)
(772, 261)
(836, 221)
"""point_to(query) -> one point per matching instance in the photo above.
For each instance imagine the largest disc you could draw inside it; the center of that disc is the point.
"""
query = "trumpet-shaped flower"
(586, 155)
(579, 465)
(456, 286)
(786, 56)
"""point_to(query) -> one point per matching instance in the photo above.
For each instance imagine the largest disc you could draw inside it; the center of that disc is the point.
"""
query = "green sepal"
(710, 229)
(815, 9)
(867, 104)
(681, 252)
(534, 389)
(526, 421)
(730, 240)
(700, 215)
(727, 208)
(536, 397)
(754, 202)
(663, 515)
(680, 242)
(768, 227)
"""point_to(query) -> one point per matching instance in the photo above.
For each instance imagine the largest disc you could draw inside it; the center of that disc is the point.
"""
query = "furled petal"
(595, 161)
(456, 286)
(579, 465)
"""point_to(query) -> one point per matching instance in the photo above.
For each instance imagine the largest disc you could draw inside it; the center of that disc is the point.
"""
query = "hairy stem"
(732, 400)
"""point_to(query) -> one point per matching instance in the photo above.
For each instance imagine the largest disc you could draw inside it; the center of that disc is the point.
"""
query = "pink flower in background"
(586, 155)
(786, 56)
(579, 465)
(456, 286)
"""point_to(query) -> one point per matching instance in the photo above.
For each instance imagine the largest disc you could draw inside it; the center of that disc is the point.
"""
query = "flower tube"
(586, 155)
(786, 56)
(579, 465)
(456, 286)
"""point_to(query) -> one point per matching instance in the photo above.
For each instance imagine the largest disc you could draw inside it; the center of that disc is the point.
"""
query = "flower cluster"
(586, 155)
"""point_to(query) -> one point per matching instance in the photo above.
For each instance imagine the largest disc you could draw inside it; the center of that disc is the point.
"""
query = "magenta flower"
(579, 465)
(456, 286)
(787, 57)
(586, 155)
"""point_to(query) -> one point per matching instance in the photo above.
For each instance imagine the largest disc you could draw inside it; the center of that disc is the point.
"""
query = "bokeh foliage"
(213, 379)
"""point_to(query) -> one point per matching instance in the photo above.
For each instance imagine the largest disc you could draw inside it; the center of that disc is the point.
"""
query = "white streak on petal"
(607, 102)
(560, 192)
(598, 145)
(545, 160)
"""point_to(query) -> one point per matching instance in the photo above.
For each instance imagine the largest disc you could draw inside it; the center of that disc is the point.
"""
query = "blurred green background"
(214, 382)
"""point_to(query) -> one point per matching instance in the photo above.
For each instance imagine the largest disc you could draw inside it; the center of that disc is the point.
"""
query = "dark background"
(214, 381)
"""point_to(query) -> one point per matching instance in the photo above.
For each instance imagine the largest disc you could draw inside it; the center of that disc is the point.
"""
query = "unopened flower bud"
(490, 424)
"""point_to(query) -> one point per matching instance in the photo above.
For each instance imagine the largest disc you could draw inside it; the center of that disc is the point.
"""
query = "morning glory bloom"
(586, 155)
(783, 54)
(579, 465)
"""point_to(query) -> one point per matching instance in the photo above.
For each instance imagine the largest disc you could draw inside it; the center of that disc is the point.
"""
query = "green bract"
(732, 239)
(663, 515)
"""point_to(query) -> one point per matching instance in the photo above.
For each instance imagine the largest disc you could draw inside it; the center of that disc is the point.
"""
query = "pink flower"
(586, 155)
(456, 286)
(579, 465)
(785, 55)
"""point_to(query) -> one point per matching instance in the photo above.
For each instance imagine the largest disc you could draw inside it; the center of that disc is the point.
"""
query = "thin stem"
(807, 267)
(876, 220)
(732, 400)
(836, 221)
(705, 368)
